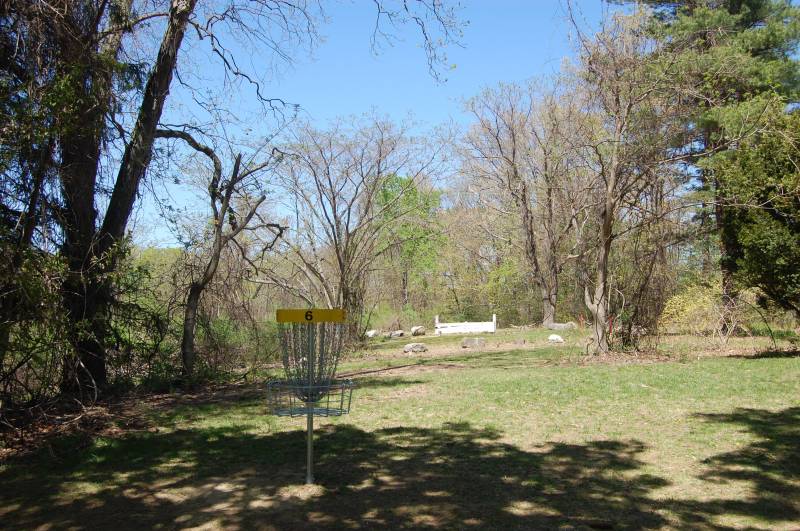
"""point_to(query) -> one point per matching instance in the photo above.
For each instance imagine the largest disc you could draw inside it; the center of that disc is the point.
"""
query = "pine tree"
(740, 62)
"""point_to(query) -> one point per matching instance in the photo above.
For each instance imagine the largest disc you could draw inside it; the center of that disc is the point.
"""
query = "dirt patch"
(439, 351)
(404, 370)
(208, 395)
(81, 423)
(621, 358)
(115, 417)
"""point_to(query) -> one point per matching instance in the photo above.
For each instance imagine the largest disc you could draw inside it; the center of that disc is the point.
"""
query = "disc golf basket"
(311, 341)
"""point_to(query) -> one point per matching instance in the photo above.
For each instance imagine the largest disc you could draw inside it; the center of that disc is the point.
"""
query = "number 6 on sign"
(312, 315)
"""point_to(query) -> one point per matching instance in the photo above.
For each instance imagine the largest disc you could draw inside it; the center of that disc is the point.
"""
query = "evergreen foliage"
(761, 179)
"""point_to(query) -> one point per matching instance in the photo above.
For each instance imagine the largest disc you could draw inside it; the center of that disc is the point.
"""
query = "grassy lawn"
(522, 435)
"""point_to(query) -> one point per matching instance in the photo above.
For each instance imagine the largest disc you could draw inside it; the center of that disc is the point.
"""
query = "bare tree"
(234, 202)
(519, 152)
(333, 181)
(635, 115)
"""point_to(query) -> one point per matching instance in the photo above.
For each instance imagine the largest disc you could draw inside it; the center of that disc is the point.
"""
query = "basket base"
(302, 411)
(286, 399)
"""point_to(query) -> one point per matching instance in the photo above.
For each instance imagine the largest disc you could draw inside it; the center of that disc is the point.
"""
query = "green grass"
(508, 438)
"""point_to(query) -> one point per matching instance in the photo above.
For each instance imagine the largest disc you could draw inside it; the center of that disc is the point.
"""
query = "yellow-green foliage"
(696, 310)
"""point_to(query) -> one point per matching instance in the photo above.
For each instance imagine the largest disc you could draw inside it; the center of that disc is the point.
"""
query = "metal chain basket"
(311, 353)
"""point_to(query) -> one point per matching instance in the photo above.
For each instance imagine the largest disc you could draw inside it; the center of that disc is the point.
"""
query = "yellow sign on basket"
(310, 315)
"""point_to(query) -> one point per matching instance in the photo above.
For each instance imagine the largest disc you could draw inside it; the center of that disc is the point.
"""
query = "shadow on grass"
(242, 400)
(457, 476)
(767, 354)
(368, 382)
(770, 465)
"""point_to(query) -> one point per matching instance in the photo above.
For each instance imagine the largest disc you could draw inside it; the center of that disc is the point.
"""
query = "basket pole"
(312, 329)
(310, 450)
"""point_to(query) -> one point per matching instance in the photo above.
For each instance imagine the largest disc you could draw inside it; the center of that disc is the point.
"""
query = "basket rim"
(290, 385)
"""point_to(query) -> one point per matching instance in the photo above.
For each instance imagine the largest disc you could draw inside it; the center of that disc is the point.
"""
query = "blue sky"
(503, 41)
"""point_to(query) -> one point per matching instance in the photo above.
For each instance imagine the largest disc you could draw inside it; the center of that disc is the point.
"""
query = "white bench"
(465, 327)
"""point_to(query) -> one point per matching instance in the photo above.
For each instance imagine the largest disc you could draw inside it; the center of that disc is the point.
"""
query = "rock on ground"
(473, 342)
(371, 333)
(415, 347)
(417, 330)
(398, 333)
(555, 338)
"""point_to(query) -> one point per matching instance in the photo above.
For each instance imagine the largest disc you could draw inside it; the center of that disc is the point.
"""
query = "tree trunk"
(404, 286)
(188, 354)
(547, 281)
(87, 252)
(82, 286)
(548, 305)
(86, 305)
(138, 151)
(597, 307)
(729, 251)
(352, 300)
(597, 302)
(80, 138)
